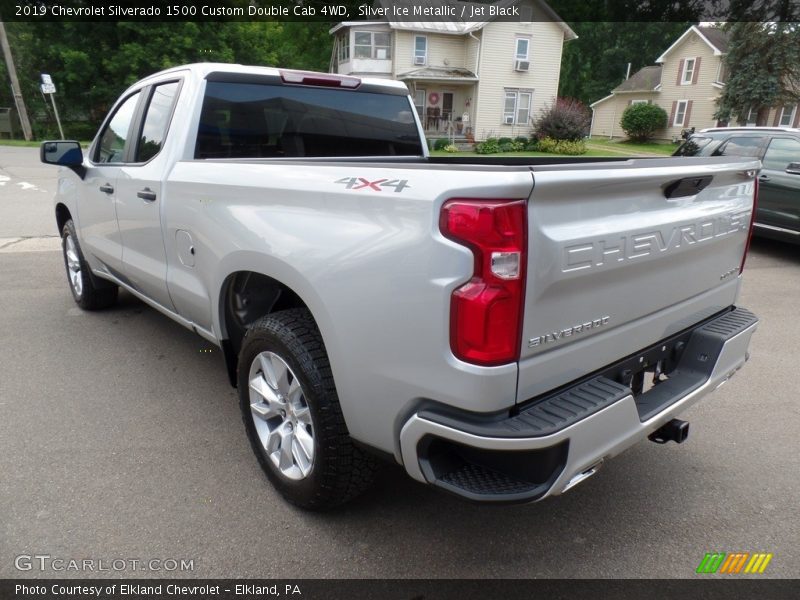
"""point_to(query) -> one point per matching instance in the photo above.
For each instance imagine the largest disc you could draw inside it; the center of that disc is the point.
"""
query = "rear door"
(139, 200)
(779, 190)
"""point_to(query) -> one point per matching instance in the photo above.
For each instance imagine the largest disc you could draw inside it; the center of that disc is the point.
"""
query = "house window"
(344, 48)
(372, 44)
(787, 116)
(420, 50)
(722, 72)
(522, 48)
(517, 107)
(688, 71)
(680, 113)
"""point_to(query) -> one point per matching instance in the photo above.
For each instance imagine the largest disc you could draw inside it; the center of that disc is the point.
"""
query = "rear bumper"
(558, 440)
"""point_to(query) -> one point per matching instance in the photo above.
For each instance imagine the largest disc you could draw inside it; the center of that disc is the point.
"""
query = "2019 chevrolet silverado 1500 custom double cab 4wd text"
(499, 329)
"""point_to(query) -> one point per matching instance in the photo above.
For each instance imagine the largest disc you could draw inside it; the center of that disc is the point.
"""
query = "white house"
(480, 78)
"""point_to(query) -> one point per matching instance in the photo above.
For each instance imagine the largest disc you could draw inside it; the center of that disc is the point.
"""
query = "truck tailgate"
(617, 261)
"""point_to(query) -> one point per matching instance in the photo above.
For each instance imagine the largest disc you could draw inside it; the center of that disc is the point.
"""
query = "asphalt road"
(121, 439)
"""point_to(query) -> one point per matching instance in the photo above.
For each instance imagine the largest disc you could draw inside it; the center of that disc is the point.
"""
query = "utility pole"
(12, 73)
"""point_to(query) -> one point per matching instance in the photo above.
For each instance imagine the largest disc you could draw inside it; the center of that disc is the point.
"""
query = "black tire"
(340, 470)
(90, 293)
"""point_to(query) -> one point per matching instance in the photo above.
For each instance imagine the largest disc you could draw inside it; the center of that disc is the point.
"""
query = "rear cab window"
(262, 120)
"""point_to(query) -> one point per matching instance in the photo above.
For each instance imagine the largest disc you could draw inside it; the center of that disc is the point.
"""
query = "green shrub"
(451, 148)
(508, 147)
(641, 121)
(567, 119)
(490, 146)
(440, 144)
(568, 147)
(517, 146)
(532, 145)
(504, 140)
(521, 139)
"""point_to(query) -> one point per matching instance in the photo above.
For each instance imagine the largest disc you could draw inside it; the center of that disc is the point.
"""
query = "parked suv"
(778, 148)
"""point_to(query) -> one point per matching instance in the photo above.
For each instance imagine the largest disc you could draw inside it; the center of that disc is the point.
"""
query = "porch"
(444, 101)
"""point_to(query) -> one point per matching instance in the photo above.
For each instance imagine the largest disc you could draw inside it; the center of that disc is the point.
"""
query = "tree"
(763, 65)
(641, 121)
(90, 75)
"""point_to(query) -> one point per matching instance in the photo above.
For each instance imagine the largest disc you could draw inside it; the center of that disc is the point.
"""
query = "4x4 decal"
(360, 183)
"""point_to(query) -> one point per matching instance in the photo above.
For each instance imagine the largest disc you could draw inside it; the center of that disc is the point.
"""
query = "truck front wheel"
(89, 292)
(292, 415)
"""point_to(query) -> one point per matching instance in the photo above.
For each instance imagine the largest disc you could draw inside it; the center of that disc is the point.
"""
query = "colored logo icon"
(734, 562)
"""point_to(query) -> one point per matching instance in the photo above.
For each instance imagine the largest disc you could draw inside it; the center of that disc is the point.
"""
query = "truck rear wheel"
(89, 293)
(292, 415)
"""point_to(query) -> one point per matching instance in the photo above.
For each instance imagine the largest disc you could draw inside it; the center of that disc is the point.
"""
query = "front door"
(447, 106)
(97, 216)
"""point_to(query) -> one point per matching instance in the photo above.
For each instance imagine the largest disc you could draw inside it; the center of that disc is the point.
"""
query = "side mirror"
(64, 153)
(793, 168)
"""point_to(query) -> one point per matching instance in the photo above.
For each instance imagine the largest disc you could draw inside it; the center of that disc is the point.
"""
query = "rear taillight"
(486, 312)
(752, 221)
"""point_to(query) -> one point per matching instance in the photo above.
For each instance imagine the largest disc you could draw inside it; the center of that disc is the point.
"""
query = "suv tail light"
(486, 312)
(752, 221)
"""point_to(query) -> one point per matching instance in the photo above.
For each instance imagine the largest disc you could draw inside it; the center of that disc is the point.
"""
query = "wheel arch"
(245, 296)
(62, 216)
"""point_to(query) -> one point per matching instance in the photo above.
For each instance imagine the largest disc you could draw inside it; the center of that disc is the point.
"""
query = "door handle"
(147, 194)
(107, 188)
(763, 177)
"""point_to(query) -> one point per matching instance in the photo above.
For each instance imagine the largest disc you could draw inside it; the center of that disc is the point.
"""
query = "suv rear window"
(254, 120)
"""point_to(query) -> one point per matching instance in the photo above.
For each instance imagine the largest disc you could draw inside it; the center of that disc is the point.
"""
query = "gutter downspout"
(474, 116)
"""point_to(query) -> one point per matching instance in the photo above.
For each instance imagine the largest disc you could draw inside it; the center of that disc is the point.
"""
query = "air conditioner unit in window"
(380, 53)
(419, 60)
(522, 65)
(509, 120)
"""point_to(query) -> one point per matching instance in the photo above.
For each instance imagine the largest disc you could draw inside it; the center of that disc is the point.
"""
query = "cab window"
(780, 153)
(111, 148)
(156, 121)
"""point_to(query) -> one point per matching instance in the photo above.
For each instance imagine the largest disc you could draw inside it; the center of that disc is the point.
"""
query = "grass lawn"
(595, 147)
(35, 144)
(617, 147)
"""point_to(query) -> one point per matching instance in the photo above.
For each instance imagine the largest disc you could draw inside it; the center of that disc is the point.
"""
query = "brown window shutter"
(696, 70)
(796, 117)
(688, 113)
(680, 72)
(777, 120)
(672, 114)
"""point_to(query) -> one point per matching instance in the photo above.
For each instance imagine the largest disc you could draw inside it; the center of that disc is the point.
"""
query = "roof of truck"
(204, 69)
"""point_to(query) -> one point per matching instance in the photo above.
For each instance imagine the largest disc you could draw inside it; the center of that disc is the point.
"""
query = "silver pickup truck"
(498, 328)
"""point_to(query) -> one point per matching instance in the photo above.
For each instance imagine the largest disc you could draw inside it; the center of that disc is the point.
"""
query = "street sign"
(48, 88)
(46, 79)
